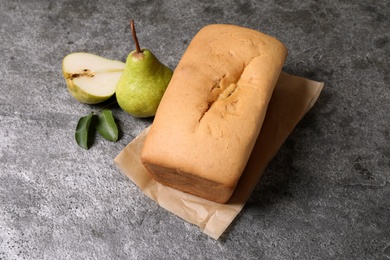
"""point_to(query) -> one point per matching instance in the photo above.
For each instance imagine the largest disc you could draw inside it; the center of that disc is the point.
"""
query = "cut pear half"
(91, 79)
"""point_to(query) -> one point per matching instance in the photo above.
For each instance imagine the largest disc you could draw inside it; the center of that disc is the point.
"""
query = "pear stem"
(138, 49)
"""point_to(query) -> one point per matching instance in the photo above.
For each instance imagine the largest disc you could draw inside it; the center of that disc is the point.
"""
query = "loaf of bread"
(212, 111)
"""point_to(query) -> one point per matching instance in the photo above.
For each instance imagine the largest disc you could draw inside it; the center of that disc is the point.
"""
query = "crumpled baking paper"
(292, 98)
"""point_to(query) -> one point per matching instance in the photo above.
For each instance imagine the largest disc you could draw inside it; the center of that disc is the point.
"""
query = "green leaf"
(82, 131)
(106, 126)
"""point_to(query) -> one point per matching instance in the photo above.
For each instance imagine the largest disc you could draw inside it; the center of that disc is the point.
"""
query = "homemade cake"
(212, 111)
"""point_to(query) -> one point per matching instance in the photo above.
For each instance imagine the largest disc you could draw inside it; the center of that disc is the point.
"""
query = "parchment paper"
(292, 98)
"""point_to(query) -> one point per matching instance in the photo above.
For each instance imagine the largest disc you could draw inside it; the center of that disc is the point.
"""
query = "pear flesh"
(91, 79)
(142, 84)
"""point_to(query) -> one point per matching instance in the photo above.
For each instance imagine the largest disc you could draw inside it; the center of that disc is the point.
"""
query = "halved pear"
(91, 79)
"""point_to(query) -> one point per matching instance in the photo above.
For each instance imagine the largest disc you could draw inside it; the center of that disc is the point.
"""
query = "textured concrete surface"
(326, 194)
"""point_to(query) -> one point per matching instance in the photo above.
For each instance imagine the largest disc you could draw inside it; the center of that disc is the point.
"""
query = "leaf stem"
(106, 106)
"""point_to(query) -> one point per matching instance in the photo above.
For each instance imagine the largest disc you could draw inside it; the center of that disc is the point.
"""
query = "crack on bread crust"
(224, 92)
(217, 84)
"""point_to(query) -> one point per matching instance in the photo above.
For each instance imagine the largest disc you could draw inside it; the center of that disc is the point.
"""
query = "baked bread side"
(212, 111)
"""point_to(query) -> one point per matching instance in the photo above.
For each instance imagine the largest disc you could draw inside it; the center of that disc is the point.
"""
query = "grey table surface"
(325, 195)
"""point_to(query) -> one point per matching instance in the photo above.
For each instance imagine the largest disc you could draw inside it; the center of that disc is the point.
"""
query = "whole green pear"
(142, 84)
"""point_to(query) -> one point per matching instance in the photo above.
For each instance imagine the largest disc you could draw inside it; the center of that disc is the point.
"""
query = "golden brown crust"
(212, 111)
